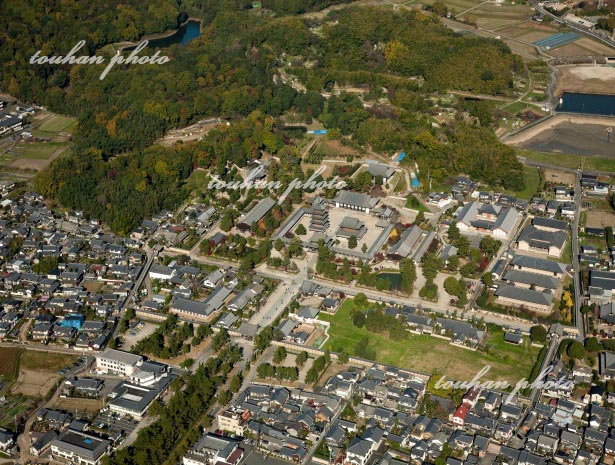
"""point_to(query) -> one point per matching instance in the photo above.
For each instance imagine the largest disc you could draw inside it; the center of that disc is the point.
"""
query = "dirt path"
(24, 438)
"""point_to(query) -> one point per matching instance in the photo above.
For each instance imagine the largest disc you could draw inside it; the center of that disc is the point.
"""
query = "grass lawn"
(569, 161)
(57, 123)
(38, 150)
(415, 204)
(517, 107)
(430, 355)
(532, 180)
(197, 181)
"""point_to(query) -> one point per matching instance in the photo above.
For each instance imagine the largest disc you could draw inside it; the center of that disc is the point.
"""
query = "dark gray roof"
(549, 223)
(81, 444)
(360, 447)
(602, 279)
(542, 239)
(356, 199)
(524, 277)
(524, 295)
(259, 210)
(378, 169)
(525, 261)
(407, 242)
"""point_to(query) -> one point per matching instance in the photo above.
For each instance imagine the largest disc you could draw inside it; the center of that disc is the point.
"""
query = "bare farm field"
(38, 372)
(71, 403)
(34, 383)
(559, 177)
(585, 78)
(600, 219)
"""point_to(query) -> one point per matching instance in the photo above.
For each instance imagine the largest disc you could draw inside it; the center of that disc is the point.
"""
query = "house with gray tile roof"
(550, 243)
(355, 201)
(406, 244)
(527, 298)
(538, 265)
(526, 279)
(487, 219)
(256, 213)
(380, 169)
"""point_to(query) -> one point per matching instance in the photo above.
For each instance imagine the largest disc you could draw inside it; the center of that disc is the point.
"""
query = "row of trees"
(266, 370)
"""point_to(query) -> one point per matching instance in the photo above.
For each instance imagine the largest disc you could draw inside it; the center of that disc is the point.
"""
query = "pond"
(394, 279)
(591, 104)
(188, 31)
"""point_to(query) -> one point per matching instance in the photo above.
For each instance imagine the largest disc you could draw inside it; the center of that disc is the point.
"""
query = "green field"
(15, 406)
(38, 150)
(517, 107)
(569, 161)
(57, 123)
(414, 203)
(532, 181)
(430, 355)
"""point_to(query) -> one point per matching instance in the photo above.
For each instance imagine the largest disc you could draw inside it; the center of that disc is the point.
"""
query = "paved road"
(43, 348)
(551, 351)
(445, 310)
(574, 27)
(578, 301)
(130, 298)
(284, 294)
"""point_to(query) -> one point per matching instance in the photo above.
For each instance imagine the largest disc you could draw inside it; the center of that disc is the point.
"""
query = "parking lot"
(108, 422)
(77, 367)
(135, 334)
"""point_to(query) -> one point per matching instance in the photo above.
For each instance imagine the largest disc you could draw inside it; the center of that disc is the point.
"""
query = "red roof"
(461, 412)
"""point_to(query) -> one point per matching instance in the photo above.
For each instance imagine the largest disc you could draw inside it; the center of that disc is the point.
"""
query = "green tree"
(487, 279)
(575, 350)
(538, 334)
(451, 286)
(592, 344)
(352, 242)
(301, 231)
(429, 291)
(360, 300)
(489, 245)
(453, 232)
(279, 355)
(224, 397)
(453, 263)
(439, 8)
(226, 223)
(342, 357)
(408, 274)
(235, 384)
(358, 319)
(420, 217)
(302, 357)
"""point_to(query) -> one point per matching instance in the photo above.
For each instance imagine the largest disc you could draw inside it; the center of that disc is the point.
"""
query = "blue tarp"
(401, 156)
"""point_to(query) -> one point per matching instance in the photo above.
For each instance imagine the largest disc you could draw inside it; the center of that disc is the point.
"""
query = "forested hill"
(230, 71)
